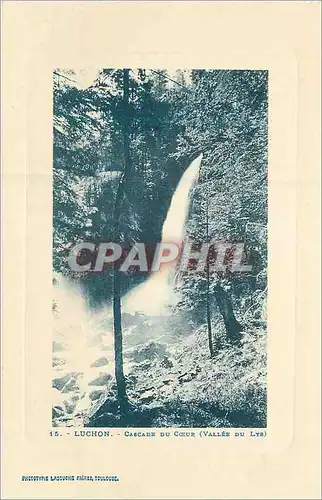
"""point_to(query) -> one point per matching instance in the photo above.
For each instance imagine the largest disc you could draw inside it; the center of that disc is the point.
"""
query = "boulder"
(149, 352)
(67, 382)
(100, 362)
(57, 411)
(96, 394)
(102, 379)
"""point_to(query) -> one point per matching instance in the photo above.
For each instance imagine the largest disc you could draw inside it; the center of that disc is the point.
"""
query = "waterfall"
(175, 223)
(151, 297)
(154, 296)
(77, 356)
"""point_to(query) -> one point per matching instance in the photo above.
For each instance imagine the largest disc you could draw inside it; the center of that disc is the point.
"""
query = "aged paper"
(277, 459)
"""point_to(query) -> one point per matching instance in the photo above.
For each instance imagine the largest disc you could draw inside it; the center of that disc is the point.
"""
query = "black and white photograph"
(159, 247)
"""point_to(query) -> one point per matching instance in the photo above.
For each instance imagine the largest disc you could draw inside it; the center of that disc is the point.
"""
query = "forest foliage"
(172, 117)
(221, 113)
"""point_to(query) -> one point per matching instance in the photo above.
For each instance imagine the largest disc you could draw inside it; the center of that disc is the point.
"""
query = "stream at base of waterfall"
(83, 360)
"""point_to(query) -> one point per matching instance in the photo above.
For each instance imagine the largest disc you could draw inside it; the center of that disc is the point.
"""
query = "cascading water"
(174, 226)
(73, 349)
(154, 297)
(76, 358)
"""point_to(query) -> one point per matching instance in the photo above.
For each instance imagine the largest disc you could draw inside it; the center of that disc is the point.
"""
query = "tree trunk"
(208, 313)
(233, 327)
(117, 311)
(208, 309)
(118, 341)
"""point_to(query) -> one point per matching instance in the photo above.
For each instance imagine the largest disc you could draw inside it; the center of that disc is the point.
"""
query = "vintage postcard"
(160, 180)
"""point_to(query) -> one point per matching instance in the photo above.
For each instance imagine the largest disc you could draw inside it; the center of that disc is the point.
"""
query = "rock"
(57, 411)
(100, 362)
(106, 419)
(103, 379)
(96, 394)
(67, 382)
(107, 402)
(149, 351)
(147, 396)
(155, 405)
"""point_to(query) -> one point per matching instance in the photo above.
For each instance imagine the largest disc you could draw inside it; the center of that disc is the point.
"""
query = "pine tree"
(117, 312)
